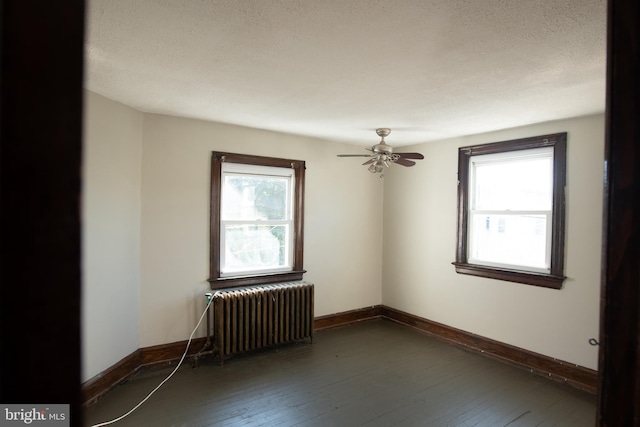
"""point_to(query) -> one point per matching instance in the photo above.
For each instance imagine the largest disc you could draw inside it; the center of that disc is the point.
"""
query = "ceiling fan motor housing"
(382, 149)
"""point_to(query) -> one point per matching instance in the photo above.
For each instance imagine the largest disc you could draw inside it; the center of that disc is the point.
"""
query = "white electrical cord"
(168, 377)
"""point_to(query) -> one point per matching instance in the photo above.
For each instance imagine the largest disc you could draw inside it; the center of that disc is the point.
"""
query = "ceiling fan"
(383, 155)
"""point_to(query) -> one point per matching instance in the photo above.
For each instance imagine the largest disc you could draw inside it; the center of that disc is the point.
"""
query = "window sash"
(227, 214)
(544, 267)
(509, 260)
(227, 268)
(510, 158)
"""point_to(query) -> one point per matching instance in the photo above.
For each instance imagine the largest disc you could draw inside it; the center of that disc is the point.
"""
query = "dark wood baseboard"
(101, 384)
(167, 353)
(577, 376)
(347, 317)
(557, 370)
(146, 357)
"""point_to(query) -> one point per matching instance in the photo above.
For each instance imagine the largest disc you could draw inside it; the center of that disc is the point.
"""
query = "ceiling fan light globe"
(376, 167)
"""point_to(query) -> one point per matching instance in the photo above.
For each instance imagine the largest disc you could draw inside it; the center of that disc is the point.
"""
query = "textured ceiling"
(338, 69)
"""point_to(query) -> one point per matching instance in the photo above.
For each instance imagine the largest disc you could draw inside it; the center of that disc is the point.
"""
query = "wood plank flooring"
(375, 373)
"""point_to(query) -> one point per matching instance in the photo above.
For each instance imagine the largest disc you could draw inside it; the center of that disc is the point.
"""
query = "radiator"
(251, 318)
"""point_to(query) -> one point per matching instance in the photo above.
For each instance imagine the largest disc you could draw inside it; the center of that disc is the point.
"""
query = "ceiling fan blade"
(369, 162)
(405, 162)
(354, 155)
(410, 155)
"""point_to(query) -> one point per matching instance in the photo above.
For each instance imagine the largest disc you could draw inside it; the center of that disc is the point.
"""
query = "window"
(511, 210)
(257, 208)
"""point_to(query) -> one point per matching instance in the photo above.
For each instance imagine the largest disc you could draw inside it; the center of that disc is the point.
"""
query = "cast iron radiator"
(261, 316)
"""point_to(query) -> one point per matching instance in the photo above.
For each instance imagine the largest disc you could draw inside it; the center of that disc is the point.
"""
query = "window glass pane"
(520, 184)
(255, 247)
(255, 197)
(519, 240)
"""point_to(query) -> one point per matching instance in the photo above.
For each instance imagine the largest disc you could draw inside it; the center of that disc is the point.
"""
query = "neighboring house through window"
(511, 210)
(257, 206)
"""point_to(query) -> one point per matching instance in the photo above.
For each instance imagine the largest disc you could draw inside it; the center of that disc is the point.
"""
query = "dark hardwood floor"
(375, 373)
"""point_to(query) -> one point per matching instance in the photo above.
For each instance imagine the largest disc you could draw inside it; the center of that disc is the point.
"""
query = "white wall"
(343, 221)
(420, 244)
(110, 233)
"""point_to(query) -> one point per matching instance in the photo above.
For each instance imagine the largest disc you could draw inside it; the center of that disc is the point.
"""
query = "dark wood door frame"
(619, 359)
(40, 132)
(41, 76)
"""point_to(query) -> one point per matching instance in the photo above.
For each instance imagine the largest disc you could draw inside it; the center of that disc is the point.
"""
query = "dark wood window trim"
(215, 279)
(556, 276)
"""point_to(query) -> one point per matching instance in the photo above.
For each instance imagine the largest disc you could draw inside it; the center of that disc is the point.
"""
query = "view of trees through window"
(256, 222)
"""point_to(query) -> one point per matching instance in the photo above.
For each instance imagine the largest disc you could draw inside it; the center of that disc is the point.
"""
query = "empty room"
(170, 83)
(342, 213)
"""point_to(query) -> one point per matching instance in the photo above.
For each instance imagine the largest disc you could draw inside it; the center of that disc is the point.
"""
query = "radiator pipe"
(207, 343)
(208, 295)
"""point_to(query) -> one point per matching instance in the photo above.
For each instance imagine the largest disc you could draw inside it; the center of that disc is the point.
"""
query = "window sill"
(517, 276)
(262, 279)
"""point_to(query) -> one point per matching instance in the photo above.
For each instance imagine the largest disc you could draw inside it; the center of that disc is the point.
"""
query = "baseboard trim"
(147, 357)
(167, 353)
(143, 358)
(574, 375)
(101, 384)
(347, 317)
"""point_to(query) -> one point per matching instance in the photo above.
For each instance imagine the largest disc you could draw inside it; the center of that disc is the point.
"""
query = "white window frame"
(230, 169)
(511, 156)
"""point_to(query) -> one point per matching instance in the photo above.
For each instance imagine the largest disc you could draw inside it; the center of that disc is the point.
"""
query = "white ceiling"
(338, 69)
